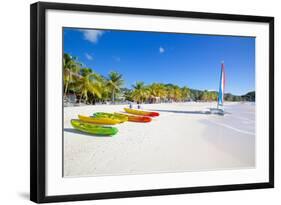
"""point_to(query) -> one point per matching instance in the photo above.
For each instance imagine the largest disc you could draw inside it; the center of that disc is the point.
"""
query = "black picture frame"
(38, 101)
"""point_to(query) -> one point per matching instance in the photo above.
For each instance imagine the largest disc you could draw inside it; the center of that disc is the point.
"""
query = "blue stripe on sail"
(220, 100)
(220, 97)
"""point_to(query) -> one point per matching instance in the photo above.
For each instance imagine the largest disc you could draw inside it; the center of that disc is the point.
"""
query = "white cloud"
(161, 49)
(88, 56)
(92, 35)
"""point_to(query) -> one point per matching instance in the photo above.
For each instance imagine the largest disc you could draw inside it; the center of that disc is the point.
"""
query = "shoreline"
(133, 103)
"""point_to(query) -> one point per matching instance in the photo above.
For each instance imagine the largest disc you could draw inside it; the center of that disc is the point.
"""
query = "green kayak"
(93, 129)
(114, 116)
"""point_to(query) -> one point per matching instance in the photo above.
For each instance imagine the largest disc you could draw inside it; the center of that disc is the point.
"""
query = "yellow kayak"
(122, 118)
(141, 112)
(104, 121)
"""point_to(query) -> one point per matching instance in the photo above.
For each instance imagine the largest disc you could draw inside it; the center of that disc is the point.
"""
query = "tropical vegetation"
(90, 87)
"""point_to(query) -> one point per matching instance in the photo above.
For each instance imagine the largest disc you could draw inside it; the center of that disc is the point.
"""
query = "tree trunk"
(112, 97)
(66, 86)
(65, 90)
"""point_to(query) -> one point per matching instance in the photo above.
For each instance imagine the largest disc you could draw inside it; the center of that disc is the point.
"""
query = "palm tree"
(140, 92)
(173, 92)
(105, 90)
(114, 83)
(213, 96)
(177, 93)
(90, 84)
(128, 94)
(169, 90)
(70, 69)
(185, 93)
(85, 71)
(205, 96)
(156, 90)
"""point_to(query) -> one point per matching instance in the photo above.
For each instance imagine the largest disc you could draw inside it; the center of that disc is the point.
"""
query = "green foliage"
(140, 92)
(85, 71)
(91, 87)
(185, 93)
(86, 84)
(71, 67)
(158, 92)
(114, 83)
(250, 96)
(89, 84)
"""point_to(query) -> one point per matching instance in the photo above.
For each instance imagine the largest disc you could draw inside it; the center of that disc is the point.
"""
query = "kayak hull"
(111, 116)
(136, 118)
(94, 120)
(141, 112)
(93, 129)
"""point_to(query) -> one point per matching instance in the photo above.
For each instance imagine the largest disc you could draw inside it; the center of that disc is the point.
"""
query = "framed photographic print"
(129, 102)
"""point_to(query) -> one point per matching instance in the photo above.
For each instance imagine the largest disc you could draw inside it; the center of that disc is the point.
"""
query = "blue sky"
(183, 59)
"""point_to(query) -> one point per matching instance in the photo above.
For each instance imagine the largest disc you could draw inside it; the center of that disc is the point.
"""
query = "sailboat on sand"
(220, 109)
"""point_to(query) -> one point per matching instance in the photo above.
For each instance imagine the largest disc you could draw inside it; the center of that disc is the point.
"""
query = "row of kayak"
(95, 124)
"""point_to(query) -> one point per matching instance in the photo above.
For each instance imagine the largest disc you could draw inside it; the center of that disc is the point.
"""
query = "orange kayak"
(141, 112)
(135, 118)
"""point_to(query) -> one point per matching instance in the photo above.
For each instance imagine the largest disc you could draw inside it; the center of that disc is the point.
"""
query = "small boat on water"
(141, 112)
(93, 129)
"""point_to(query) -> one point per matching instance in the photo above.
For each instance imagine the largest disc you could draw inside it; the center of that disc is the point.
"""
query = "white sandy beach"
(182, 138)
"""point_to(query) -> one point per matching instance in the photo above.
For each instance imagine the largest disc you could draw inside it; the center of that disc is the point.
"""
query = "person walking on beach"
(130, 105)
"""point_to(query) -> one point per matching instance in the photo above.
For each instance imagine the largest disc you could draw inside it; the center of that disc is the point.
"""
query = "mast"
(221, 86)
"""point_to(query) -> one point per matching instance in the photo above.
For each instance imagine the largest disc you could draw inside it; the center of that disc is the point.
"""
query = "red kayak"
(135, 118)
(141, 112)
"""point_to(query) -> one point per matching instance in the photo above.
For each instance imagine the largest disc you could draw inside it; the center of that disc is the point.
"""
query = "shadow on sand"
(71, 130)
(218, 111)
(186, 112)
